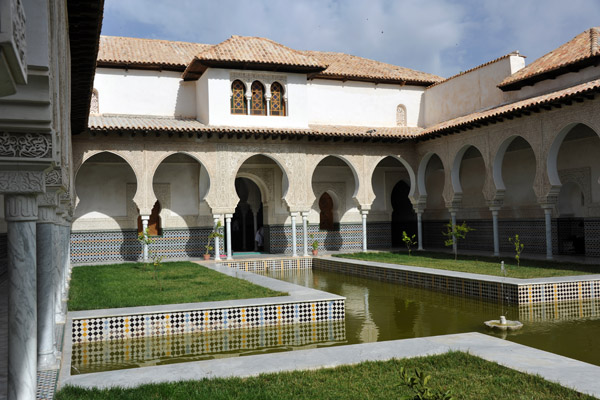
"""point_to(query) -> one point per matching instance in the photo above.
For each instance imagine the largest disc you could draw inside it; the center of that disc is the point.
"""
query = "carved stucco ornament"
(25, 145)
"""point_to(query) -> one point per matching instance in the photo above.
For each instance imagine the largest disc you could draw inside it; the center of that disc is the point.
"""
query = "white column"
(59, 310)
(294, 251)
(364, 229)
(21, 213)
(305, 234)
(420, 229)
(453, 218)
(46, 283)
(255, 228)
(66, 233)
(548, 218)
(217, 250)
(228, 229)
(495, 229)
(145, 219)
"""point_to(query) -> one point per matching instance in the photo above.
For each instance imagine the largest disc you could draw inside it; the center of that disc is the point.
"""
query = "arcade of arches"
(349, 197)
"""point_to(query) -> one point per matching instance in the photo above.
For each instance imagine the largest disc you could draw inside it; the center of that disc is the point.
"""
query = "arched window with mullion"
(238, 98)
(277, 100)
(258, 104)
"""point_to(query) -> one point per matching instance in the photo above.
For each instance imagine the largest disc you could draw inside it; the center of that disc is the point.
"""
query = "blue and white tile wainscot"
(517, 291)
(301, 305)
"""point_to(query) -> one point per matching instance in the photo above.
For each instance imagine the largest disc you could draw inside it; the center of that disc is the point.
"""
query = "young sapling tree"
(454, 234)
(518, 248)
(408, 241)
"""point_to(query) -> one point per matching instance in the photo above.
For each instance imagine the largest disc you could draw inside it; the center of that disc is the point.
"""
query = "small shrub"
(456, 233)
(518, 248)
(145, 239)
(419, 384)
(315, 242)
(408, 241)
(216, 233)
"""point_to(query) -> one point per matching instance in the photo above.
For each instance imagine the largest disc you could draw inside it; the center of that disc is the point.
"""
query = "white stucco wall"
(582, 153)
(551, 85)
(140, 92)
(102, 190)
(518, 174)
(333, 102)
(470, 92)
(183, 181)
(214, 99)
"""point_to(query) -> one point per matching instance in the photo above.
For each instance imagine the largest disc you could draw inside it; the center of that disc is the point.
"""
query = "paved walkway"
(571, 373)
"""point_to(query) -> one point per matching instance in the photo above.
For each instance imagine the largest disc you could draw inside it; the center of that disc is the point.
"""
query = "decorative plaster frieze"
(20, 208)
(48, 199)
(22, 182)
(265, 78)
(25, 145)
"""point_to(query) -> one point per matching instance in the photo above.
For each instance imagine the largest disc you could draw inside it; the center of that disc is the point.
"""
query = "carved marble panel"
(25, 145)
(22, 182)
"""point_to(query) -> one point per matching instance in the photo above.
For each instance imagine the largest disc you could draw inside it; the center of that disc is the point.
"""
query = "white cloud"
(437, 36)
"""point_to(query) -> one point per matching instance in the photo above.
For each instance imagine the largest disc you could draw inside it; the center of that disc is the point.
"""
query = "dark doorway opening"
(404, 217)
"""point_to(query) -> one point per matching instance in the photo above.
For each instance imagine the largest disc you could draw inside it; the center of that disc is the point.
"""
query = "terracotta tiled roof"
(254, 52)
(136, 123)
(346, 66)
(151, 53)
(516, 53)
(134, 52)
(522, 106)
(580, 52)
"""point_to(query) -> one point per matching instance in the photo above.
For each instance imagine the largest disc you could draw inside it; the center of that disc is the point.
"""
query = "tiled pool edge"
(571, 373)
(301, 305)
(517, 291)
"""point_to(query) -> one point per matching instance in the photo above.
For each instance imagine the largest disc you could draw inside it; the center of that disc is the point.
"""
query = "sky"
(443, 37)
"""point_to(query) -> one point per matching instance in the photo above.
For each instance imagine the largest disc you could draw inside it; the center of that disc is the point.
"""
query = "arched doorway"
(105, 185)
(248, 218)
(575, 163)
(435, 215)
(333, 184)
(391, 211)
(404, 218)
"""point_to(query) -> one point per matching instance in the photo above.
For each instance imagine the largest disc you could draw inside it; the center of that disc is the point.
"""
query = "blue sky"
(442, 37)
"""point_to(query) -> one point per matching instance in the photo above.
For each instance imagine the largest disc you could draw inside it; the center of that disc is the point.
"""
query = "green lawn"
(478, 264)
(132, 284)
(466, 376)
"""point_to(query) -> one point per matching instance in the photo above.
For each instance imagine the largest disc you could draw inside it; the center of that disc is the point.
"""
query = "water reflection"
(379, 311)
(158, 350)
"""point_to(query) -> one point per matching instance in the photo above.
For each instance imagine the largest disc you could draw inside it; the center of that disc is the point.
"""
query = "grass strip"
(133, 284)
(466, 376)
(478, 264)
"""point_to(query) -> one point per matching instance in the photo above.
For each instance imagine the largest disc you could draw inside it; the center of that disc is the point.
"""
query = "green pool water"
(375, 311)
(379, 311)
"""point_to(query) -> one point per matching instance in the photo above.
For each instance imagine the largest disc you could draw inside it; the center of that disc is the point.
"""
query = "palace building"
(102, 138)
(309, 145)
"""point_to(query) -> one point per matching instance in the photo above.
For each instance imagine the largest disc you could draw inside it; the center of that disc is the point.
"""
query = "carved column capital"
(20, 207)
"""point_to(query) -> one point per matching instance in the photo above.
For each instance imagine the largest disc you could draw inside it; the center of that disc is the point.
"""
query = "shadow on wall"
(333, 239)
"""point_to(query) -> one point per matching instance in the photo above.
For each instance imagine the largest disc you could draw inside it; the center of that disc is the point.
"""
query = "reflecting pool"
(375, 311)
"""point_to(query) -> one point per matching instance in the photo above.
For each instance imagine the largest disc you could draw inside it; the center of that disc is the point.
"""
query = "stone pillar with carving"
(20, 190)
(47, 280)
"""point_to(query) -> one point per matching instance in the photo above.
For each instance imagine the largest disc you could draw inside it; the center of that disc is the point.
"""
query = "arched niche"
(514, 172)
(105, 185)
(335, 175)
